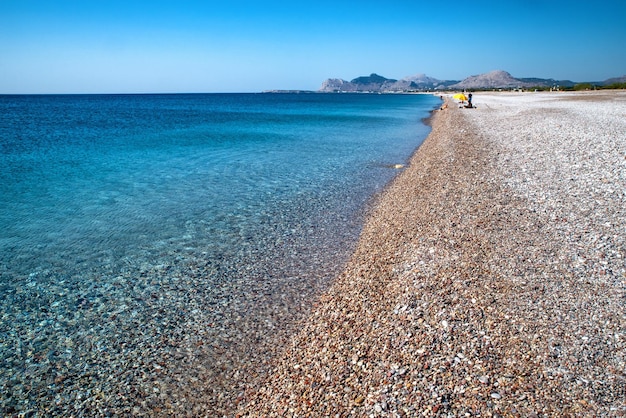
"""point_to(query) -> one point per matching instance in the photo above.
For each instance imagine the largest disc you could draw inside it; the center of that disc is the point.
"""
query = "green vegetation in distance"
(589, 86)
(577, 87)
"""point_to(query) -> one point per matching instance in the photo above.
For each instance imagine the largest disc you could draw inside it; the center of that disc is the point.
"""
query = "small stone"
(496, 395)
(359, 400)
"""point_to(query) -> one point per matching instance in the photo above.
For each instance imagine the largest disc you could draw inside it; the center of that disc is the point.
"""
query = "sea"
(157, 250)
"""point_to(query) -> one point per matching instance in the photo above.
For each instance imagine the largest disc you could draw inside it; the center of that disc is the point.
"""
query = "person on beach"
(469, 101)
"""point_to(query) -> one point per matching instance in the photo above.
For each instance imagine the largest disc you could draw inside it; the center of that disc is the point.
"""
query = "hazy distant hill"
(547, 82)
(424, 82)
(492, 80)
(615, 80)
(503, 80)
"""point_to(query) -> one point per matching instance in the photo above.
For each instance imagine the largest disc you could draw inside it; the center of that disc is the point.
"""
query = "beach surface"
(489, 279)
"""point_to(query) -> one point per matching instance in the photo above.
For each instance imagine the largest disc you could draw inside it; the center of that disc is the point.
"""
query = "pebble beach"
(489, 279)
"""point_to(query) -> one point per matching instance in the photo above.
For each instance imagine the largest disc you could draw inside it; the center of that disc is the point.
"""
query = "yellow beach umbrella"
(460, 96)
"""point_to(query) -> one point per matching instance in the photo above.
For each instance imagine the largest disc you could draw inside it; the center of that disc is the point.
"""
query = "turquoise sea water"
(175, 215)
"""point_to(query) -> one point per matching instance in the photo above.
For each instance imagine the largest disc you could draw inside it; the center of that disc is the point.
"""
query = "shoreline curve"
(489, 277)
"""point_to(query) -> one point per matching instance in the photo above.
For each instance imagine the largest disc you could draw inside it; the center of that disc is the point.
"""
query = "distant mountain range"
(420, 82)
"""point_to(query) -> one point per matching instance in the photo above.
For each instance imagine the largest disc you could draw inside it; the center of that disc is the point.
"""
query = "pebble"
(467, 268)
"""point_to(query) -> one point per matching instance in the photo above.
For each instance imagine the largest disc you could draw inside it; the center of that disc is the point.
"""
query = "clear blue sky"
(118, 46)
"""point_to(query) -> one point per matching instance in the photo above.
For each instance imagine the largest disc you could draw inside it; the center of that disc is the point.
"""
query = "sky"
(180, 46)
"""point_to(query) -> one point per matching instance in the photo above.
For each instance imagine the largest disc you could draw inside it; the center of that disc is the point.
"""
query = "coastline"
(167, 287)
(488, 279)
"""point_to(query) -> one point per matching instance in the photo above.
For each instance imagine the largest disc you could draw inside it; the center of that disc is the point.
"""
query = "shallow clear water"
(111, 203)
(86, 177)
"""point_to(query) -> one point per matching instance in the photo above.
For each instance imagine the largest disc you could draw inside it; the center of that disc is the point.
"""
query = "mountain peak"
(492, 79)
(372, 79)
(498, 73)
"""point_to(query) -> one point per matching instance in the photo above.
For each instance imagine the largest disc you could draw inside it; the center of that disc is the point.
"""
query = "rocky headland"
(498, 79)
